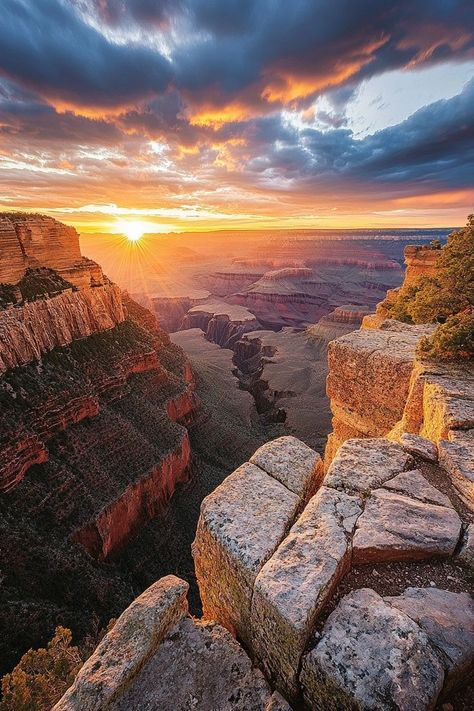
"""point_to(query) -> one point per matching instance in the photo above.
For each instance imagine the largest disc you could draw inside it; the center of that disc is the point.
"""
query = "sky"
(181, 115)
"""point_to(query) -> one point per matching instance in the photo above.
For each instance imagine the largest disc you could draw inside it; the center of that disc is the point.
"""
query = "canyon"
(345, 579)
(318, 470)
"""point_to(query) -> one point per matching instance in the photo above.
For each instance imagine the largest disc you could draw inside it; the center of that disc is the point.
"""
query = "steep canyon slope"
(94, 403)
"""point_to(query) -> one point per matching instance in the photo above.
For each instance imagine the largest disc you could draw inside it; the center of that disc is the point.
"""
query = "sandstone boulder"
(131, 642)
(293, 463)
(363, 464)
(371, 656)
(241, 524)
(293, 586)
(396, 527)
(448, 620)
(199, 667)
(414, 485)
(419, 446)
(456, 455)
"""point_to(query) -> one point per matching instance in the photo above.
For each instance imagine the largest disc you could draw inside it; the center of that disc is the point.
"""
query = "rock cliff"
(223, 324)
(94, 403)
(345, 582)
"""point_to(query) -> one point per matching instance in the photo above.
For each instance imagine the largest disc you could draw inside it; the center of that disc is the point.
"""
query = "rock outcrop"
(30, 240)
(145, 661)
(222, 324)
(378, 387)
(95, 400)
(30, 330)
(268, 575)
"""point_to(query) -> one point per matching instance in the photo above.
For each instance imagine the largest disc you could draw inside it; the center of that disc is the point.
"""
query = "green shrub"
(434, 298)
(453, 339)
(42, 675)
(446, 298)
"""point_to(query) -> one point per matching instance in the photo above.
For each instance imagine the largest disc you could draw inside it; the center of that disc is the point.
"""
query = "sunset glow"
(197, 116)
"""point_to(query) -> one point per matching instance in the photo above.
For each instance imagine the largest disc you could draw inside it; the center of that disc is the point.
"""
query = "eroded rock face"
(141, 501)
(28, 240)
(371, 656)
(222, 323)
(369, 380)
(293, 586)
(28, 331)
(241, 524)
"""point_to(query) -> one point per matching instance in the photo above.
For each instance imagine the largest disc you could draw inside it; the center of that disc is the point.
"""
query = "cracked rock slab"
(394, 527)
(198, 667)
(448, 620)
(131, 642)
(293, 463)
(240, 525)
(371, 656)
(364, 464)
(294, 585)
(414, 484)
(457, 457)
(419, 446)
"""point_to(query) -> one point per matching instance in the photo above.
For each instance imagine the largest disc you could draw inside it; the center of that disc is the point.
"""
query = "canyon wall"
(29, 240)
(94, 404)
(222, 323)
(29, 330)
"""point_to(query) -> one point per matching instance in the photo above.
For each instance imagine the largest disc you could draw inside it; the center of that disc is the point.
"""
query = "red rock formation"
(29, 240)
(141, 501)
(32, 329)
(420, 261)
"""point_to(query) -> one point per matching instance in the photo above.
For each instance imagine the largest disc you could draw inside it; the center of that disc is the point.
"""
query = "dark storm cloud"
(45, 45)
(24, 114)
(434, 146)
(231, 47)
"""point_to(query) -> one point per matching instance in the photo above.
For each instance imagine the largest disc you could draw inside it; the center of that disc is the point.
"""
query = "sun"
(133, 230)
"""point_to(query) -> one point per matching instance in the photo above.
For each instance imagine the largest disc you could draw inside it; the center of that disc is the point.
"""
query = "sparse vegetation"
(42, 282)
(43, 675)
(9, 294)
(446, 298)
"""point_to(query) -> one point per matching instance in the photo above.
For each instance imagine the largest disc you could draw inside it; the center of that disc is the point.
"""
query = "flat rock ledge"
(158, 658)
(389, 653)
(266, 570)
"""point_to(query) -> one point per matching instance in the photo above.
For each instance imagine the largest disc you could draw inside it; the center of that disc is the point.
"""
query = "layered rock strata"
(30, 330)
(222, 324)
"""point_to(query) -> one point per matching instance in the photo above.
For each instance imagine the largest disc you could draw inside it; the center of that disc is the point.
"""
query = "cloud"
(172, 99)
(46, 46)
